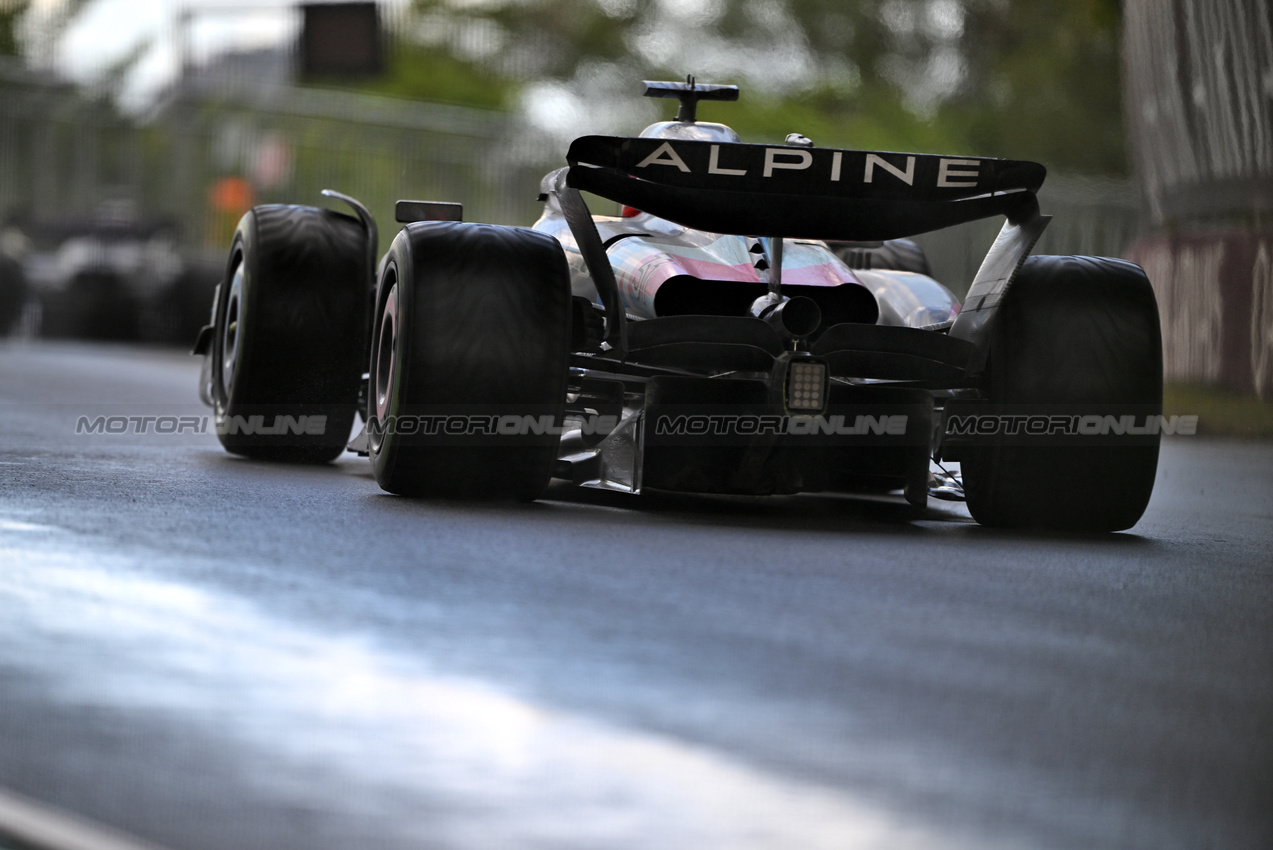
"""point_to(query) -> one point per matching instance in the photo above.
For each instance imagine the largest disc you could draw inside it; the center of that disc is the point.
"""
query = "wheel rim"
(386, 355)
(230, 329)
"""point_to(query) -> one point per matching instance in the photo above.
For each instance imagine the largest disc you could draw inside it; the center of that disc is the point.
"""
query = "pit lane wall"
(1215, 297)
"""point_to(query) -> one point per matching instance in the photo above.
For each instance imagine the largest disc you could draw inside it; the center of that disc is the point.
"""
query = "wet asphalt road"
(210, 652)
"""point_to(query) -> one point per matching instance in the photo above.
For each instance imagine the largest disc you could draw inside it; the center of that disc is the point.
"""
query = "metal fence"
(75, 170)
(196, 159)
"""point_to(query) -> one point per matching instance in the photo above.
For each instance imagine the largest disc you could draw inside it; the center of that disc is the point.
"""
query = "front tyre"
(289, 334)
(469, 361)
(1078, 334)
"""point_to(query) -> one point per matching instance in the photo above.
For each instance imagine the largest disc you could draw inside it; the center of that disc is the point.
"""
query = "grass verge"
(1221, 412)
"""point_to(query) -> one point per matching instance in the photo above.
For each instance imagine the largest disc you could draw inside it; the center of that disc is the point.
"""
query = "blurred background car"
(107, 276)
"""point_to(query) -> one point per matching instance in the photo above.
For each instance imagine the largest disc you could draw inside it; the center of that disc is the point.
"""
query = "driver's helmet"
(690, 131)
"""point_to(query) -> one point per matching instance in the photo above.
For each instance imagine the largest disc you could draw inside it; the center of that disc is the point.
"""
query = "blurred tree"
(421, 72)
(1018, 78)
(32, 30)
(1042, 81)
(10, 12)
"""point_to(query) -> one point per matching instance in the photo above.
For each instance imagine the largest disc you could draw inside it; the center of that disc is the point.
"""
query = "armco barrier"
(1215, 296)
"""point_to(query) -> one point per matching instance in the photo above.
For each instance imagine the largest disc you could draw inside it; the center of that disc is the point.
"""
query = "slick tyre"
(289, 344)
(469, 361)
(1079, 336)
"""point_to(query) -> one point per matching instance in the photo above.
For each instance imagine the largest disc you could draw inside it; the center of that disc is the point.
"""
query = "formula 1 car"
(107, 276)
(754, 322)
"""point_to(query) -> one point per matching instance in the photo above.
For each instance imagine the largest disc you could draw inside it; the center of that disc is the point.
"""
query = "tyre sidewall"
(241, 249)
(385, 452)
(1071, 331)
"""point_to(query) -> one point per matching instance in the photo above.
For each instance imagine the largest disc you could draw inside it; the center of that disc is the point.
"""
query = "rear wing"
(803, 192)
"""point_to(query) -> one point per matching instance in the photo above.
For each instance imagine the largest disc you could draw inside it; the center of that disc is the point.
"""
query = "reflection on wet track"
(339, 710)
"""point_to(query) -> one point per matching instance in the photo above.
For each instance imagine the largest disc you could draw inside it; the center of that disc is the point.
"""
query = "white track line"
(43, 827)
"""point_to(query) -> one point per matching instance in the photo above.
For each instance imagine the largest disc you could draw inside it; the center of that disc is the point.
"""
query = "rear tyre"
(470, 355)
(290, 328)
(1079, 335)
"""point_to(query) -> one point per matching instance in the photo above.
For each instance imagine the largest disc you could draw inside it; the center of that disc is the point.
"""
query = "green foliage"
(1015, 78)
(423, 73)
(871, 120)
(1045, 84)
(10, 12)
